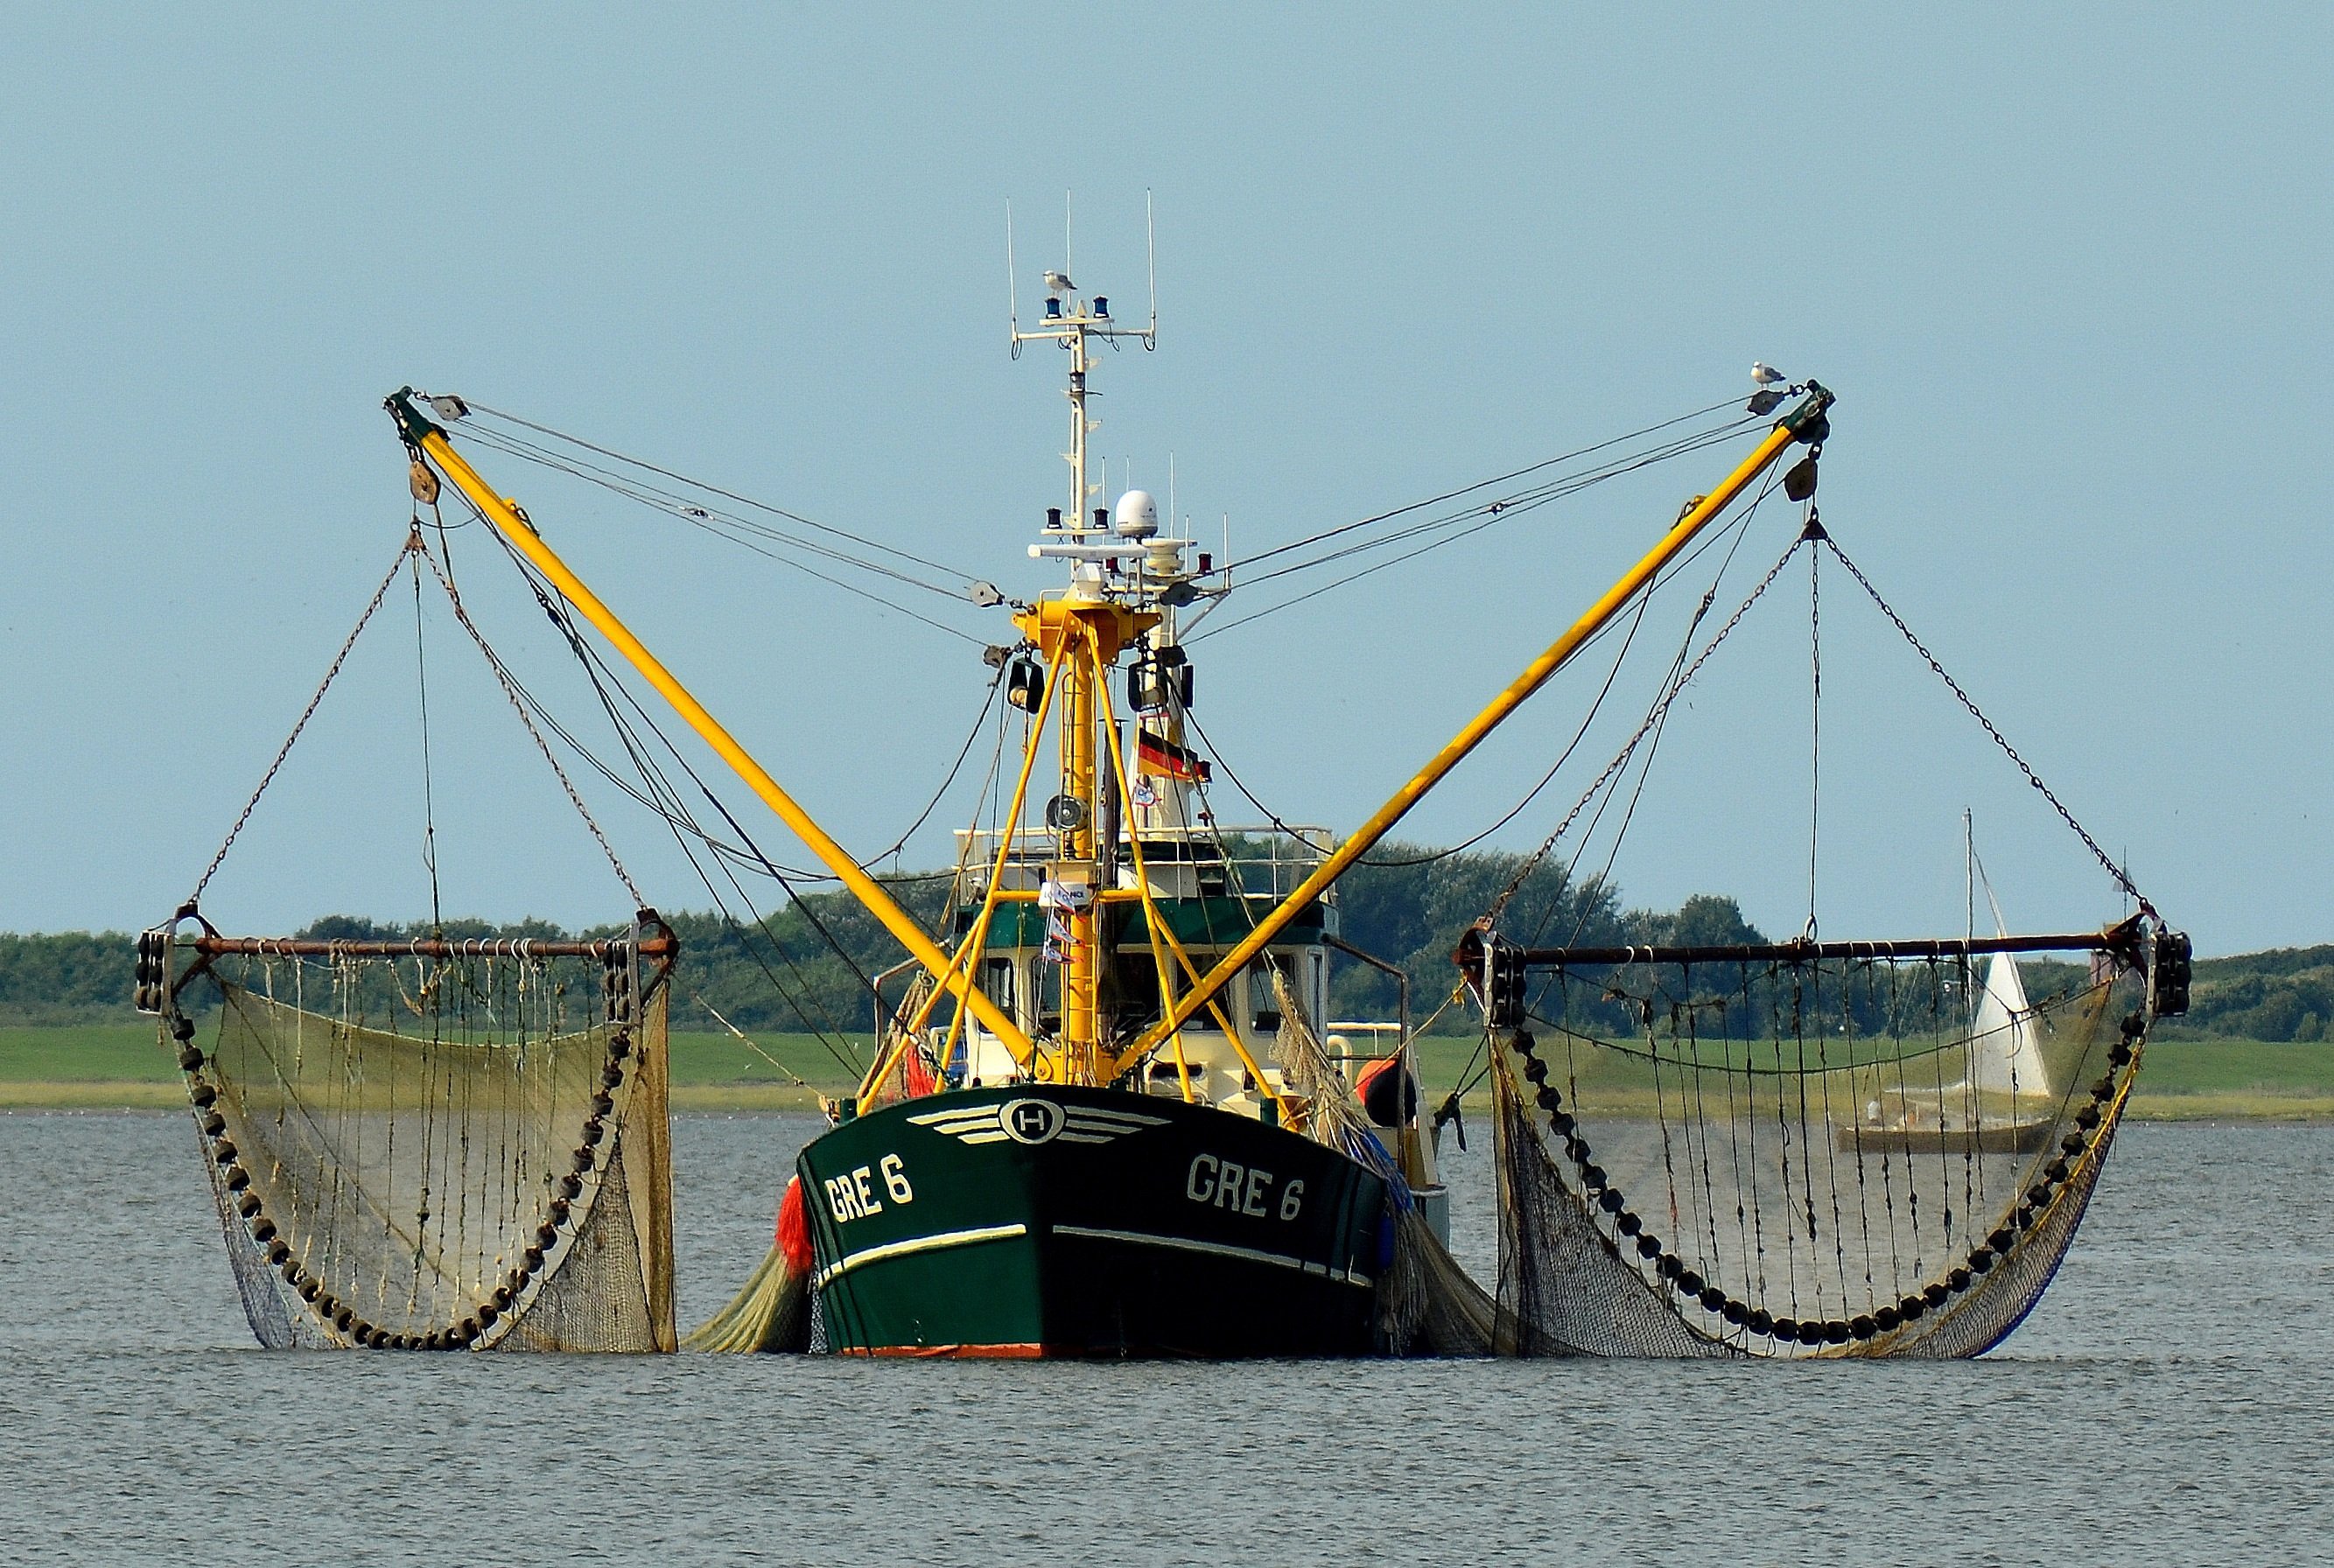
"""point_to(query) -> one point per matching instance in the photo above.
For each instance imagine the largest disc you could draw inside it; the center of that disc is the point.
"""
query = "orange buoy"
(793, 1227)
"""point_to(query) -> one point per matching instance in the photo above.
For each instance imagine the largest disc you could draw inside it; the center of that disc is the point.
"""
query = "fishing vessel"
(1105, 1119)
(1099, 1151)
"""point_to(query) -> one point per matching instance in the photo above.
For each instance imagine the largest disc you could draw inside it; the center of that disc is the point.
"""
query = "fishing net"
(773, 1310)
(1425, 1300)
(437, 1144)
(1804, 1155)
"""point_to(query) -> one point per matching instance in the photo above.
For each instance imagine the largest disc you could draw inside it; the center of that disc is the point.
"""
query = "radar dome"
(1138, 515)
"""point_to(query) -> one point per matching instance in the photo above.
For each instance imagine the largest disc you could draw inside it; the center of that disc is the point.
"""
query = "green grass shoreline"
(123, 1067)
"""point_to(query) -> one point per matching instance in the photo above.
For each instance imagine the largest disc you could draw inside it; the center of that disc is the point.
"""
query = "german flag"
(1157, 756)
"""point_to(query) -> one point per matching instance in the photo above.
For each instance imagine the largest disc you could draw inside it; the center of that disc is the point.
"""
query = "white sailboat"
(2001, 1102)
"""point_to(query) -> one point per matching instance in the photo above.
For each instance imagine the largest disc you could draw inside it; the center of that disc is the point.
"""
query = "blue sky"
(2066, 270)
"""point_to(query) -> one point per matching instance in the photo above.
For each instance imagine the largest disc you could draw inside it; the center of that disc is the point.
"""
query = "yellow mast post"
(1805, 422)
(1068, 634)
(976, 940)
(1155, 921)
(1082, 976)
(426, 438)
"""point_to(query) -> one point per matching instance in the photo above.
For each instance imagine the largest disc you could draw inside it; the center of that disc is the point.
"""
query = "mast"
(1080, 635)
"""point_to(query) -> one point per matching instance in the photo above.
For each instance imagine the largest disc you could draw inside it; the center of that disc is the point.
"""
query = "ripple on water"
(2168, 1401)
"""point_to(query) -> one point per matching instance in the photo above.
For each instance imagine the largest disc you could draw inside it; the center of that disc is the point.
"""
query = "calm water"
(2169, 1402)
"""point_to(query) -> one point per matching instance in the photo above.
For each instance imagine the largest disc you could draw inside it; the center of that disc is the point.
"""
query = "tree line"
(805, 968)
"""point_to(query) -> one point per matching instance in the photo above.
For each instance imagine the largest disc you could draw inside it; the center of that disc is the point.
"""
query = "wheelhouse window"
(997, 982)
(1135, 990)
(1264, 1005)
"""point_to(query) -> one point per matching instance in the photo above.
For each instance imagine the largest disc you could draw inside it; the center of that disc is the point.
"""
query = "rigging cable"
(1470, 489)
(1815, 707)
(979, 723)
(524, 700)
(1489, 513)
(1673, 684)
(682, 823)
(595, 667)
(1660, 708)
(2033, 778)
(1468, 1074)
(754, 860)
(429, 798)
(512, 691)
(1523, 501)
(717, 490)
(1738, 529)
(703, 518)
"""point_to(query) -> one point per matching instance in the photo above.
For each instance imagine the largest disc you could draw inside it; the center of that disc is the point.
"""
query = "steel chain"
(1653, 718)
(412, 542)
(2122, 880)
(518, 705)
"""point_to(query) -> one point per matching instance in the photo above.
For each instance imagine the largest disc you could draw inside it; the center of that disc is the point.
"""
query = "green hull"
(1041, 1221)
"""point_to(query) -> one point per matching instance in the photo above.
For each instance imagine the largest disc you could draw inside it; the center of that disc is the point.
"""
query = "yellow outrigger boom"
(427, 440)
(1805, 422)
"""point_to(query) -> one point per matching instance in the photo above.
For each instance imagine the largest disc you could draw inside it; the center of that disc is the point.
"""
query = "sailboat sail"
(2005, 1057)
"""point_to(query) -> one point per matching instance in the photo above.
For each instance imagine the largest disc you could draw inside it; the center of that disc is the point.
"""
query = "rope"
(1652, 718)
(518, 706)
(1469, 489)
(1491, 513)
(1814, 709)
(429, 794)
(668, 806)
(2090, 844)
(749, 1042)
(412, 542)
(716, 489)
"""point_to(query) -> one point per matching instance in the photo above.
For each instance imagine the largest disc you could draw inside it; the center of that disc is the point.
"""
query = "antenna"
(1012, 289)
(1151, 253)
(1076, 321)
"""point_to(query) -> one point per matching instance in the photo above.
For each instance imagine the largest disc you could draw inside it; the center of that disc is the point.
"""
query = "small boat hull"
(1997, 1138)
(1036, 1220)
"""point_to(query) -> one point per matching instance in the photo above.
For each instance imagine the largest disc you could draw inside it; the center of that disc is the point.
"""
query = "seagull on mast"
(1764, 373)
(1060, 283)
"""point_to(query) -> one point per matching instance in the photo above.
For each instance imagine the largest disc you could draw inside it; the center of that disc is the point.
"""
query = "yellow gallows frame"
(1803, 422)
(428, 439)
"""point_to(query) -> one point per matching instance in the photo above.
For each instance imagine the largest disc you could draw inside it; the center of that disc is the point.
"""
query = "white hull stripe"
(918, 1244)
(1137, 1238)
(1215, 1248)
